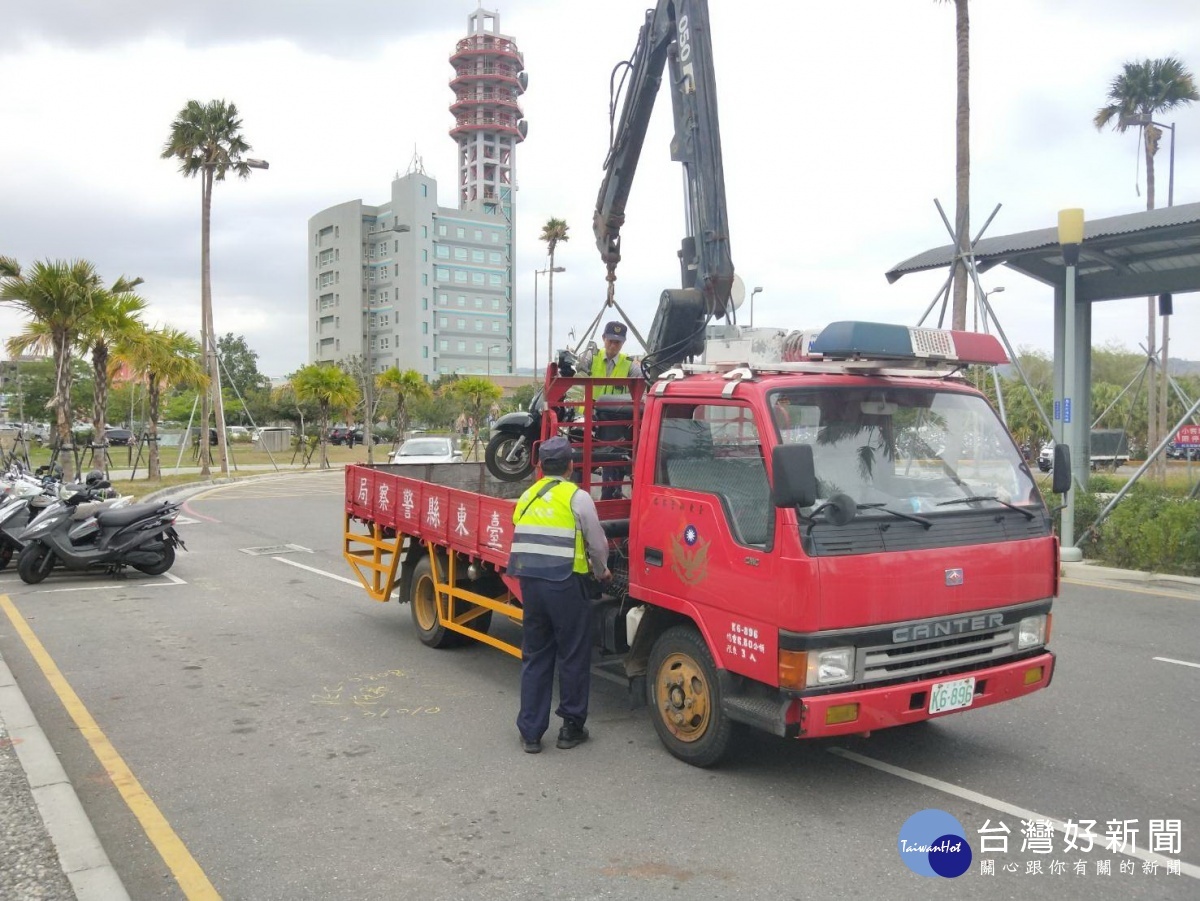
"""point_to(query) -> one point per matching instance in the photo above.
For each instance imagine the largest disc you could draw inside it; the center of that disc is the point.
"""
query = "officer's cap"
(616, 331)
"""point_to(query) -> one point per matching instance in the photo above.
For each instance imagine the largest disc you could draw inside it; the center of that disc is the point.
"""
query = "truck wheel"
(422, 598)
(685, 698)
(496, 454)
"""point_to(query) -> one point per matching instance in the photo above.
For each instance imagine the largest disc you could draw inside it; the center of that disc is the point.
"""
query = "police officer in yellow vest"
(557, 539)
(612, 364)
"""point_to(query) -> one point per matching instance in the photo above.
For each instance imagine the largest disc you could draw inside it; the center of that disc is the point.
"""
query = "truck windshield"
(911, 449)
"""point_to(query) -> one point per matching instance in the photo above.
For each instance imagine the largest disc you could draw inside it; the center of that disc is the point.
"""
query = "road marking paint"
(1180, 662)
(996, 804)
(319, 572)
(171, 849)
(1154, 591)
(192, 512)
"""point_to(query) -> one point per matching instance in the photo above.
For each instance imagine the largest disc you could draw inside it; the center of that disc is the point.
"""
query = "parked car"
(1045, 459)
(118, 437)
(360, 435)
(428, 449)
(338, 434)
(237, 433)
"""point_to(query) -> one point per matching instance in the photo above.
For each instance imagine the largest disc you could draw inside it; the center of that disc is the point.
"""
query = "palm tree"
(962, 159)
(475, 393)
(58, 296)
(115, 317)
(554, 231)
(408, 385)
(168, 357)
(207, 141)
(1142, 91)
(330, 388)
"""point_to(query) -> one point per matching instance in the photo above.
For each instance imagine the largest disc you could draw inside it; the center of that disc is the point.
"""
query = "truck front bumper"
(897, 705)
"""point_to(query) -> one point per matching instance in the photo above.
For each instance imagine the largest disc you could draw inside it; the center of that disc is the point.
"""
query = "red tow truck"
(825, 534)
(837, 543)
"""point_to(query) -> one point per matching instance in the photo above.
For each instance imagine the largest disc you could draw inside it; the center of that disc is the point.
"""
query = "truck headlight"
(1031, 632)
(830, 666)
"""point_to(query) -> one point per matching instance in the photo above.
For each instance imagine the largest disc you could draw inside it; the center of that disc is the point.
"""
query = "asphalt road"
(285, 737)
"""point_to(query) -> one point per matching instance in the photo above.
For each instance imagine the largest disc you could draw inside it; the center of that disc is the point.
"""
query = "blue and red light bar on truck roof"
(884, 341)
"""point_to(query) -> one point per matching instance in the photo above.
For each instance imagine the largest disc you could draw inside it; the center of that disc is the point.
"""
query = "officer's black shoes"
(531, 747)
(571, 735)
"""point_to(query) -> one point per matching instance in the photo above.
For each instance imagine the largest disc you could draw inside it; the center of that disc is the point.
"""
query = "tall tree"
(962, 159)
(406, 387)
(168, 357)
(239, 364)
(477, 396)
(330, 388)
(207, 140)
(115, 316)
(1141, 91)
(58, 297)
(553, 233)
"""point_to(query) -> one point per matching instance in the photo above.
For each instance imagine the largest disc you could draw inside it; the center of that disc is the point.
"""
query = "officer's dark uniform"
(550, 558)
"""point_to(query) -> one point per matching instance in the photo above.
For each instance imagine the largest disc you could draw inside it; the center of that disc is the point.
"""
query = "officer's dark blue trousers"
(557, 628)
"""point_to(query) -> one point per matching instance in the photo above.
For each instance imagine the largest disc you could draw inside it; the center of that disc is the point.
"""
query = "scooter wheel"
(496, 457)
(6, 554)
(165, 562)
(34, 562)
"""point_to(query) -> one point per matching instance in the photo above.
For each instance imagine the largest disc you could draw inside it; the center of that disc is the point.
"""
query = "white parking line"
(996, 804)
(319, 572)
(1180, 662)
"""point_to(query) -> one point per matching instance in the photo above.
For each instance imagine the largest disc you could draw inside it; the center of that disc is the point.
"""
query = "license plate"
(951, 695)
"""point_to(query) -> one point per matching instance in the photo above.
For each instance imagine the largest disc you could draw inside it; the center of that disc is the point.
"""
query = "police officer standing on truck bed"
(612, 364)
(556, 535)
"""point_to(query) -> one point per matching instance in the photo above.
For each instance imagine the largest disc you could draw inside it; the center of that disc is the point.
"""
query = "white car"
(428, 449)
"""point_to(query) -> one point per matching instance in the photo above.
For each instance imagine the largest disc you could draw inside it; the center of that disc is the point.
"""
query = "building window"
(424, 256)
(336, 231)
(385, 342)
(477, 278)
(444, 321)
(479, 303)
(442, 251)
(496, 325)
(493, 256)
(424, 303)
(478, 347)
(462, 300)
(460, 324)
(495, 303)
(460, 275)
(462, 346)
(442, 230)
(477, 256)
(424, 190)
(424, 278)
(460, 253)
(478, 235)
(495, 237)
(494, 280)
(479, 325)
(460, 232)
(397, 270)
(425, 352)
(424, 328)
(443, 345)
(442, 273)
(425, 234)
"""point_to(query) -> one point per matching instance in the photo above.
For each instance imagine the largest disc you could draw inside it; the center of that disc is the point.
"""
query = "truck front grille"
(915, 658)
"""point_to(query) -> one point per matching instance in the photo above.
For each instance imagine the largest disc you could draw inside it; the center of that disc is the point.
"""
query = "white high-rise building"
(410, 284)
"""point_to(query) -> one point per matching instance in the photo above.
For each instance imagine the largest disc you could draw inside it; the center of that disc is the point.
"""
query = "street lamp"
(752, 293)
(536, 273)
(986, 294)
(489, 358)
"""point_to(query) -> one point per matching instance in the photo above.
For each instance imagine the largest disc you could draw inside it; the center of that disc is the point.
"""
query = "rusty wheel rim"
(684, 697)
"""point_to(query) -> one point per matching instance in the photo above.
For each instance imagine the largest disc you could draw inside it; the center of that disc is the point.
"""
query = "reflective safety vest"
(547, 542)
(600, 371)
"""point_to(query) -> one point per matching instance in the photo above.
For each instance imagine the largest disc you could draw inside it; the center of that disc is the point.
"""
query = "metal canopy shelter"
(1133, 255)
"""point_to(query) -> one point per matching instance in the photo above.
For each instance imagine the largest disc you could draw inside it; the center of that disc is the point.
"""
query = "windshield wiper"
(976, 498)
(886, 509)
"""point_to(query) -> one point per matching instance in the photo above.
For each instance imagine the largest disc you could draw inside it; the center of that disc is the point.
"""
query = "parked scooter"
(79, 538)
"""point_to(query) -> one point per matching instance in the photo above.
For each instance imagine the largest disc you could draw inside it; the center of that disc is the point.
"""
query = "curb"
(1088, 570)
(80, 853)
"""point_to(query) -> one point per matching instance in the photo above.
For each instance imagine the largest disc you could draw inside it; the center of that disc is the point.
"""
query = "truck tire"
(422, 598)
(684, 697)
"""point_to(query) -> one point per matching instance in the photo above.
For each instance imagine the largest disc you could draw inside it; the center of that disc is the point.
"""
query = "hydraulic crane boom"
(676, 31)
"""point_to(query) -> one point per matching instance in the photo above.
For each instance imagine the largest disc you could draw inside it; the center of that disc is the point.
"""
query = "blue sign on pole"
(1066, 409)
(1057, 410)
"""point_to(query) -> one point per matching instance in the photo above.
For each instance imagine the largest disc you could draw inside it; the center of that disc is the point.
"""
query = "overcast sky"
(837, 130)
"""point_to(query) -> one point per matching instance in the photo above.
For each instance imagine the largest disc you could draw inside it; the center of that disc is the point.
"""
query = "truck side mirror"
(795, 476)
(1061, 482)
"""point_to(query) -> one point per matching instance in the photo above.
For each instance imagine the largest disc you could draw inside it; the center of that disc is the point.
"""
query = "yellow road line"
(174, 853)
